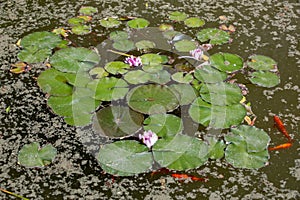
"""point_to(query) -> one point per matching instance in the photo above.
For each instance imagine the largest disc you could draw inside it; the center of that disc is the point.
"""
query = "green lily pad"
(110, 22)
(125, 158)
(123, 45)
(259, 62)
(180, 152)
(117, 121)
(138, 23)
(264, 79)
(166, 27)
(137, 77)
(81, 29)
(226, 62)
(221, 93)
(209, 74)
(34, 55)
(88, 10)
(247, 147)
(182, 77)
(177, 16)
(98, 72)
(216, 116)
(108, 88)
(74, 59)
(80, 119)
(79, 79)
(76, 21)
(41, 40)
(145, 44)
(171, 34)
(118, 35)
(193, 22)
(215, 36)
(152, 59)
(185, 45)
(164, 125)
(161, 77)
(117, 67)
(152, 99)
(31, 155)
(185, 93)
(216, 147)
(54, 82)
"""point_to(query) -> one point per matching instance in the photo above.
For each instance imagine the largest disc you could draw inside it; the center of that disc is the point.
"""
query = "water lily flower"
(197, 54)
(149, 138)
(133, 61)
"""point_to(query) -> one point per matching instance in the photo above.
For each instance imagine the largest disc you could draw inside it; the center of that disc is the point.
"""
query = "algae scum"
(123, 71)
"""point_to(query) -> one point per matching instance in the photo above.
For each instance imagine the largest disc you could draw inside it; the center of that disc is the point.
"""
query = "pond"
(27, 114)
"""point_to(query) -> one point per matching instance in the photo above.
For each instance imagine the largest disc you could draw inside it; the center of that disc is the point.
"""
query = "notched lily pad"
(118, 35)
(264, 78)
(88, 10)
(194, 22)
(185, 93)
(31, 155)
(259, 62)
(81, 29)
(209, 74)
(116, 67)
(177, 16)
(145, 44)
(110, 22)
(226, 62)
(182, 77)
(137, 77)
(213, 35)
(216, 147)
(117, 121)
(123, 45)
(138, 23)
(185, 45)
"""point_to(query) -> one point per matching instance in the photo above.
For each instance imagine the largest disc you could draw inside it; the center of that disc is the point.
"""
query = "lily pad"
(41, 40)
(194, 22)
(185, 45)
(216, 147)
(54, 82)
(125, 158)
(166, 27)
(177, 16)
(74, 59)
(186, 94)
(259, 62)
(80, 119)
(216, 116)
(137, 77)
(108, 88)
(182, 77)
(213, 35)
(221, 93)
(164, 125)
(31, 155)
(110, 22)
(264, 79)
(123, 45)
(152, 59)
(81, 29)
(34, 55)
(76, 21)
(161, 77)
(180, 152)
(209, 74)
(79, 79)
(116, 67)
(118, 35)
(145, 44)
(88, 10)
(117, 121)
(226, 62)
(152, 99)
(138, 23)
(98, 72)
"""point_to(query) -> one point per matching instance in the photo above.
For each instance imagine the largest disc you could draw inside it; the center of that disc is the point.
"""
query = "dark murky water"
(264, 27)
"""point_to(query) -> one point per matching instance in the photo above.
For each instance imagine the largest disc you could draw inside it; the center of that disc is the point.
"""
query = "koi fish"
(279, 124)
(185, 176)
(281, 146)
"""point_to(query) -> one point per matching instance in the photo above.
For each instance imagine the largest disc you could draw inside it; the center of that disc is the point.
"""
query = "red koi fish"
(281, 146)
(281, 127)
(185, 176)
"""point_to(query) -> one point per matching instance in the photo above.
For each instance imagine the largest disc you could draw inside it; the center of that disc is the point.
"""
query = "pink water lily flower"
(133, 61)
(197, 54)
(149, 138)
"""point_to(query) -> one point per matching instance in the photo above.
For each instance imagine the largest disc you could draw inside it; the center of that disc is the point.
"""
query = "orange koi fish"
(185, 176)
(281, 146)
(281, 127)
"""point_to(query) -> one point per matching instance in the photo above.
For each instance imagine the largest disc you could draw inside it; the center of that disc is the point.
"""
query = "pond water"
(266, 27)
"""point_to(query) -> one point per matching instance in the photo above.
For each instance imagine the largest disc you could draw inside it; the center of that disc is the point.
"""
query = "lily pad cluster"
(141, 80)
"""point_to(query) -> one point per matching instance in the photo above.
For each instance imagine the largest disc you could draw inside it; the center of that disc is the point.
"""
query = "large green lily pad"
(182, 77)
(137, 77)
(216, 147)
(185, 93)
(164, 125)
(125, 158)
(117, 121)
(34, 54)
(74, 59)
(209, 74)
(226, 62)
(264, 78)
(31, 155)
(152, 99)
(161, 77)
(116, 67)
(213, 35)
(41, 40)
(221, 93)
(259, 62)
(108, 88)
(216, 116)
